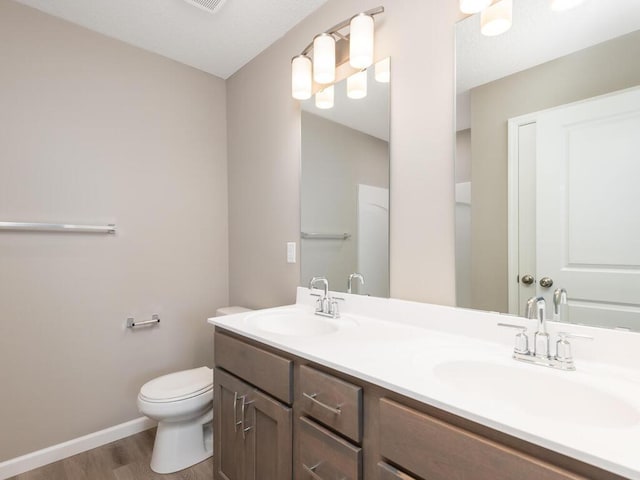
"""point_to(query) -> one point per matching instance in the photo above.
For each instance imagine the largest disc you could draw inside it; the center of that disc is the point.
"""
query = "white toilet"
(182, 403)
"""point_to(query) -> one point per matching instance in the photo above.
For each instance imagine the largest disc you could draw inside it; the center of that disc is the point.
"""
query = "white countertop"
(459, 361)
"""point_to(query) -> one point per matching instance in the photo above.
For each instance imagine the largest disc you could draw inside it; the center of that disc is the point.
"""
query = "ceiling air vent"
(210, 6)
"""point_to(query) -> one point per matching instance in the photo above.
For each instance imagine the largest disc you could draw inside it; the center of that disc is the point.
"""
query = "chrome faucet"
(540, 355)
(537, 306)
(351, 277)
(325, 306)
(560, 302)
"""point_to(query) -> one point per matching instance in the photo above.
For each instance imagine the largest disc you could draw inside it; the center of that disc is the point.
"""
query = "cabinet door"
(268, 437)
(229, 454)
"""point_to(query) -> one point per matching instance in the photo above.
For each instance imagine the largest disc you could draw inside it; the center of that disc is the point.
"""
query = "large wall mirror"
(345, 188)
(547, 163)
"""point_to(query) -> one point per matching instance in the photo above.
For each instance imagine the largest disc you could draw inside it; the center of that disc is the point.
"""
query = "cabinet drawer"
(387, 472)
(436, 450)
(333, 402)
(323, 455)
(267, 371)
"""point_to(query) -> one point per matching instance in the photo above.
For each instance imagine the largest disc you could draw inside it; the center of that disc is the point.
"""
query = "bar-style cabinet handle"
(312, 397)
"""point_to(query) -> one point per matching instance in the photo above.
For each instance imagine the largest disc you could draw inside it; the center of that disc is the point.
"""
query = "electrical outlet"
(291, 252)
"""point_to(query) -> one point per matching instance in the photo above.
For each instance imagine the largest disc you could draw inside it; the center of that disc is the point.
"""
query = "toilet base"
(179, 445)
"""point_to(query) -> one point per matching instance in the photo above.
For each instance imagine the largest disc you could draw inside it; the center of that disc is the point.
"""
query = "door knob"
(546, 282)
(527, 279)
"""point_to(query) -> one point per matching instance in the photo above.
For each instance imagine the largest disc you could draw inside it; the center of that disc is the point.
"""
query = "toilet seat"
(178, 386)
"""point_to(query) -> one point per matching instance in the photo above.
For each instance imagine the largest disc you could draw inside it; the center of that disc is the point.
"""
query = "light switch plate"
(291, 252)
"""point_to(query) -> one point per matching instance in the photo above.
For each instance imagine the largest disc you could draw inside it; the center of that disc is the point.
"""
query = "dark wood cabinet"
(269, 439)
(323, 455)
(253, 433)
(347, 428)
(331, 401)
(436, 450)
(228, 444)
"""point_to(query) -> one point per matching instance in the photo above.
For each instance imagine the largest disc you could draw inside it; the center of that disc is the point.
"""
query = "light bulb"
(560, 5)
(383, 70)
(324, 98)
(473, 6)
(496, 19)
(301, 81)
(357, 85)
(324, 58)
(361, 41)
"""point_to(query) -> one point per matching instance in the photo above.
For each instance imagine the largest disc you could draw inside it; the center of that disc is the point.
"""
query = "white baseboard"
(32, 460)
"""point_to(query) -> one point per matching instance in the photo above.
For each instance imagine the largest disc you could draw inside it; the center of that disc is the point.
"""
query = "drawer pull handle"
(312, 470)
(312, 397)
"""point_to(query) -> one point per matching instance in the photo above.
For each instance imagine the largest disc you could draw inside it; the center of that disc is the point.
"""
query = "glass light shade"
(560, 5)
(383, 70)
(301, 81)
(473, 6)
(357, 85)
(324, 59)
(496, 19)
(361, 41)
(324, 98)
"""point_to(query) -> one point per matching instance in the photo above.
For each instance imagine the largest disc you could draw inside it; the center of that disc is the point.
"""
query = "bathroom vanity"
(401, 390)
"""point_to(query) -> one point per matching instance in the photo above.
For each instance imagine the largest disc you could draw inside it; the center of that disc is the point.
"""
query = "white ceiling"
(538, 35)
(218, 43)
(369, 115)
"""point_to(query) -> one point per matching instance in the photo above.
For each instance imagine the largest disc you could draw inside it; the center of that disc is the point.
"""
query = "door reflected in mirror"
(345, 186)
(548, 117)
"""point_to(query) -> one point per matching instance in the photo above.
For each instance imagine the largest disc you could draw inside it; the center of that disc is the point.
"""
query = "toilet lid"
(179, 385)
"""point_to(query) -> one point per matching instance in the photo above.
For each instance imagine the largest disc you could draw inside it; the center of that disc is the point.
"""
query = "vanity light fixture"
(496, 19)
(361, 41)
(561, 5)
(350, 41)
(324, 98)
(357, 85)
(324, 58)
(473, 6)
(383, 70)
(301, 77)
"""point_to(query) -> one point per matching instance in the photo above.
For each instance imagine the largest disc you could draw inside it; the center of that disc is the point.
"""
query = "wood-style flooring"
(125, 459)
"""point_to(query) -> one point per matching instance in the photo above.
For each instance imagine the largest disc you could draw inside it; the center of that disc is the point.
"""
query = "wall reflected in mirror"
(345, 189)
(548, 116)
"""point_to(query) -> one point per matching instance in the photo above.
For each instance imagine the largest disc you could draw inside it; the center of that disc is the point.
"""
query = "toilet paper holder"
(155, 319)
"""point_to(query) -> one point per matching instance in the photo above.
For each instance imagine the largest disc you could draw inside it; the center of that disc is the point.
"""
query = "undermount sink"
(538, 393)
(294, 323)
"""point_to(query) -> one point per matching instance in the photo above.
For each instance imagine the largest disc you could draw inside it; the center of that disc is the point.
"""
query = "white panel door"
(373, 240)
(526, 214)
(588, 207)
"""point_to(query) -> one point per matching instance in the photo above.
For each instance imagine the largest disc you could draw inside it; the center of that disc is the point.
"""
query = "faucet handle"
(563, 347)
(522, 339)
(334, 310)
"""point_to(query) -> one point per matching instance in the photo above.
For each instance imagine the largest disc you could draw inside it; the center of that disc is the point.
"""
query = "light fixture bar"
(335, 30)
(315, 69)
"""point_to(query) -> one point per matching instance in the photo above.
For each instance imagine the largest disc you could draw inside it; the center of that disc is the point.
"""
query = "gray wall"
(594, 71)
(95, 131)
(335, 159)
(264, 155)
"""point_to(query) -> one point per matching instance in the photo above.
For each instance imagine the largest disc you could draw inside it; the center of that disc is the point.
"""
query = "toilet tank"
(231, 311)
